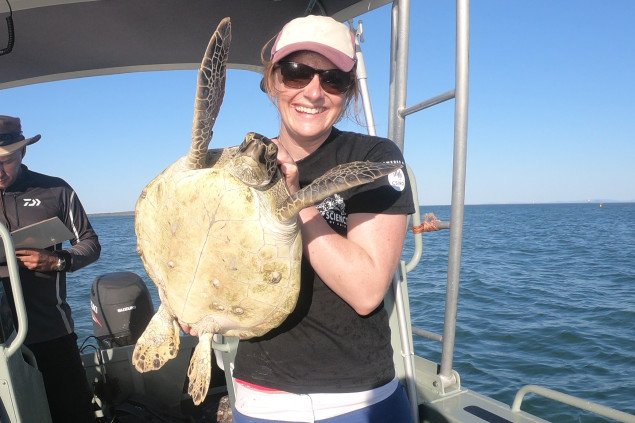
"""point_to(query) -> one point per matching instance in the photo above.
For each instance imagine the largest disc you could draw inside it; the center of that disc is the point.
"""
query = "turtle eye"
(243, 145)
(272, 149)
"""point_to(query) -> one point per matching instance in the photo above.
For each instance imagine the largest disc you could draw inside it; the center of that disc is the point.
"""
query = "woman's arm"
(359, 267)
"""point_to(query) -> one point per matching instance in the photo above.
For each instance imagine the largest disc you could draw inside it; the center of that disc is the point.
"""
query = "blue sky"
(551, 110)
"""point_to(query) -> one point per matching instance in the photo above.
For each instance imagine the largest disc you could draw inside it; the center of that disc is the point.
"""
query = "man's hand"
(37, 259)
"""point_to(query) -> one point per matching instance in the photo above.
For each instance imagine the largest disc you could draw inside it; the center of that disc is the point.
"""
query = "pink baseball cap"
(320, 34)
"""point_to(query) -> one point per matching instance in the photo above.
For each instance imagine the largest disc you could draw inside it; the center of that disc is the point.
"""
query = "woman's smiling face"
(308, 113)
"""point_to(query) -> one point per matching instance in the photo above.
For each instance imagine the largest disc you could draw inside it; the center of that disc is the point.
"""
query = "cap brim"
(12, 148)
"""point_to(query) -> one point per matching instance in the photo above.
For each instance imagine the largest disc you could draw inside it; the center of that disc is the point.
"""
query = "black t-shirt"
(324, 345)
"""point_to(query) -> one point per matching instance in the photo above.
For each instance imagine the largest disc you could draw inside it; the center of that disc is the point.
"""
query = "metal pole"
(458, 189)
(16, 287)
(602, 410)
(398, 70)
(362, 78)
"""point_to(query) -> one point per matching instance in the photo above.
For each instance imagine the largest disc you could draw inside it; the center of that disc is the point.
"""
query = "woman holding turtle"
(331, 360)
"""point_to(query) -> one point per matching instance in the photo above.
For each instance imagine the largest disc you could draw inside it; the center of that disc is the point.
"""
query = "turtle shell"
(222, 261)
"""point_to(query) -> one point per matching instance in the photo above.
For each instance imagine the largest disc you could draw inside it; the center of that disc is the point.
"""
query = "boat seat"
(118, 362)
(225, 348)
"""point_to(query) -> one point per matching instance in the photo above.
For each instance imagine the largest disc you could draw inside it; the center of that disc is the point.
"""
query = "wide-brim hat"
(320, 34)
(11, 138)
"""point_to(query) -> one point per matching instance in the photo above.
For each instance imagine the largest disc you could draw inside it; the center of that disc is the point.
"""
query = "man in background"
(26, 198)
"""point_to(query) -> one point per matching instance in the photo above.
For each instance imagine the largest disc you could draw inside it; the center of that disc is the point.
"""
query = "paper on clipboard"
(39, 235)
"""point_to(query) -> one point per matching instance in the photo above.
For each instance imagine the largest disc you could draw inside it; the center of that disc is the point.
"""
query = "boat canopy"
(49, 40)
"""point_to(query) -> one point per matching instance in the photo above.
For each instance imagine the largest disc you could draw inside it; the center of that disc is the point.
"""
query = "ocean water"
(547, 297)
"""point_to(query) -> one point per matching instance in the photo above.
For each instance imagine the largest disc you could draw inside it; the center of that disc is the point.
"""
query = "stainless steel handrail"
(458, 188)
(602, 410)
(16, 287)
(399, 42)
(400, 30)
(396, 131)
(449, 95)
(362, 77)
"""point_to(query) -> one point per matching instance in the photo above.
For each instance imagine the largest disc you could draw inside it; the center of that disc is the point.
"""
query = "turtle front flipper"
(337, 179)
(210, 89)
(200, 370)
(158, 343)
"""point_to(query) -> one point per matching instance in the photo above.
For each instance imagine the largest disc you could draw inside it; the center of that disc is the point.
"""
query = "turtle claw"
(200, 370)
(158, 343)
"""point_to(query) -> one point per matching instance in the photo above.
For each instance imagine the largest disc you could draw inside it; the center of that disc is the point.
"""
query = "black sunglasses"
(298, 75)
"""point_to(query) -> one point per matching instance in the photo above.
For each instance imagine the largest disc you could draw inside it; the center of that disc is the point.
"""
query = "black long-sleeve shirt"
(34, 197)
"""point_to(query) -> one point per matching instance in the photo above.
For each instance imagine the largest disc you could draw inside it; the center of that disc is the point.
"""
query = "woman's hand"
(187, 329)
(288, 167)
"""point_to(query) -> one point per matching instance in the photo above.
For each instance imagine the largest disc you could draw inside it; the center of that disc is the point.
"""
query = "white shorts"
(285, 406)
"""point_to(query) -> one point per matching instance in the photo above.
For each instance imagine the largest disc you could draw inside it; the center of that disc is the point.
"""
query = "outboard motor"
(121, 306)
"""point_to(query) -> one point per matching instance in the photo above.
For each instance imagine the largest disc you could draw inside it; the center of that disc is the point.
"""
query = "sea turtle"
(218, 234)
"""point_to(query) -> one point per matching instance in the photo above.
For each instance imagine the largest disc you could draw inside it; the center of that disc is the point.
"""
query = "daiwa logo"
(31, 202)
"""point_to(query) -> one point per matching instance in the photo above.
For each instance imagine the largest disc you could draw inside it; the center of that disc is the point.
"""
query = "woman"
(331, 360)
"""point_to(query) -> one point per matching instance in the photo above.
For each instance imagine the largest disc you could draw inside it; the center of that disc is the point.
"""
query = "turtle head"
(254, 163)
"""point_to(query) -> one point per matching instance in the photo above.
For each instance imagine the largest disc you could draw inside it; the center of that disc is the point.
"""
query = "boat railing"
(398, 111)
(399, 50)
(599, 409)
(446, 376)
(20, 309)
(18, 367)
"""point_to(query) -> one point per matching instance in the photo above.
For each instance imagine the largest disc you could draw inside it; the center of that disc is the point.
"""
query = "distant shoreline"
(124, 213)
(131, 213)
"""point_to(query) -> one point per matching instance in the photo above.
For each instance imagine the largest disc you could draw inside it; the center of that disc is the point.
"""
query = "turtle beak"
(255, 161)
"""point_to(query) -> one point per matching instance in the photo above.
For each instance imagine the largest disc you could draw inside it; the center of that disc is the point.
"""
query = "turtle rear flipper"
(200, 371)
(158, 343)
(338, 179)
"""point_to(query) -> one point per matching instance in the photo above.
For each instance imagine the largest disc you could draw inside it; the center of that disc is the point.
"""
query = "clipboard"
(39, 235)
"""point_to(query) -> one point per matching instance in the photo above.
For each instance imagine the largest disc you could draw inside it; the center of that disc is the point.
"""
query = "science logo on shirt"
(333, 210)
